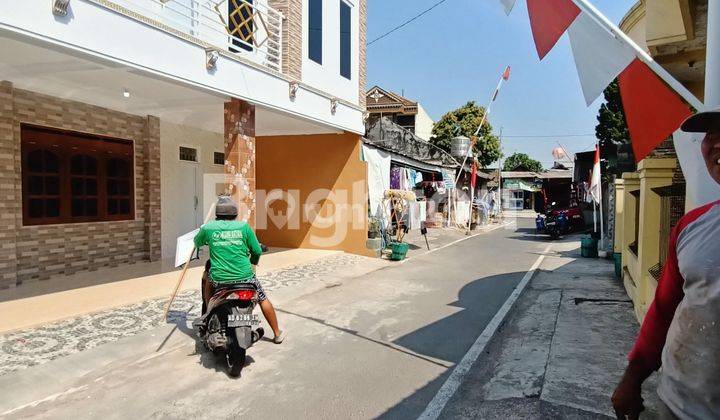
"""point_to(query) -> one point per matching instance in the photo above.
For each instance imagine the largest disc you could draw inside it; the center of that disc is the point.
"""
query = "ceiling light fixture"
(126, 93)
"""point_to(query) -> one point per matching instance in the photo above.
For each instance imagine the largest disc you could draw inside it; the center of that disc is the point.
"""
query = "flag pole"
(712, 62)
(484, 117)
(691, 99)
(602, 228)
(600, 201)
(594, 216)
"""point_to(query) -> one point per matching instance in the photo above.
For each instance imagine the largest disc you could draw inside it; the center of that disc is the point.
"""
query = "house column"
(240, 156)
(151, 187)
(653, 173)
(10, 174)
(619, 211)
(630, 219)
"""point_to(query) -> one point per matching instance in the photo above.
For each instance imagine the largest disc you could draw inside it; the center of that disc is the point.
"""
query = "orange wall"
(330, 165)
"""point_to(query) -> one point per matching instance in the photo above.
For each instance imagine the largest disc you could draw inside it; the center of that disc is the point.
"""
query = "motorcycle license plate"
(242, 320)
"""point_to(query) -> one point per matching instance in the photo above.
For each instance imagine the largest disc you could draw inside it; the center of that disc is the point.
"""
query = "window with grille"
(72, 177)
(315, 28)
(241, 25)
(219, 158)
(188, 154)
(672, 208)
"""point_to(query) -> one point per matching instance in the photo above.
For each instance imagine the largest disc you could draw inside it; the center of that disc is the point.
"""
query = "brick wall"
(292, 36)
(8, 181)
(363, 53)
(40, 252)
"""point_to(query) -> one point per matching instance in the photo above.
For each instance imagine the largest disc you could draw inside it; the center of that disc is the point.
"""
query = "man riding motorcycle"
(234, 250)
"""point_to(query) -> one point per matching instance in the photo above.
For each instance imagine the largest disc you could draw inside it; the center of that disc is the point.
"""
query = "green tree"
(464, 121)
(612, 128)
(612, 132)
(522, 162)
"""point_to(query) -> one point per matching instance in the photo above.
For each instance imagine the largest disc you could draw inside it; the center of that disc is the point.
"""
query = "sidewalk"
(291, 276)
(562, 349)
(66, 297)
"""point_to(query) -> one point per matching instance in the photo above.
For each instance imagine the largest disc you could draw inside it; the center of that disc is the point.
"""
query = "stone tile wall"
(292, 36)
(31, 253)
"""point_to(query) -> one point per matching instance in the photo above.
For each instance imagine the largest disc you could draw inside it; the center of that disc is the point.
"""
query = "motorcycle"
(554, 223)
(228, 326)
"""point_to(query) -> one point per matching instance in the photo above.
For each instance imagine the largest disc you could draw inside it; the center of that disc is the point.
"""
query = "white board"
(184, 246)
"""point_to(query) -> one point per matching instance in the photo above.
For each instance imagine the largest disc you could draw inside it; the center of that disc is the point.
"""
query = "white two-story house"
(121, 120)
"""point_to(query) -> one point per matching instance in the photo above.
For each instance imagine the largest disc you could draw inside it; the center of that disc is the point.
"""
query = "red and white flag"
(505, 77)
(653, 112)
(599, 56)
(701, 189)
(549, 19)
(508, 5)
(595, 186)
(473, 176)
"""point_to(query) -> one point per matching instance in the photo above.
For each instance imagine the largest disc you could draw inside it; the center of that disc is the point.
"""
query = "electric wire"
(407, 22)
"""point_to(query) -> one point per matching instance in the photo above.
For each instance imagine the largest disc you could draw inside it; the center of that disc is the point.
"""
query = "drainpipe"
(712, 60)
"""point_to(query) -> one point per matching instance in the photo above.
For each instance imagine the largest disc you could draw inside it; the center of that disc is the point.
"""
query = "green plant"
(464, 121)
(522, 162)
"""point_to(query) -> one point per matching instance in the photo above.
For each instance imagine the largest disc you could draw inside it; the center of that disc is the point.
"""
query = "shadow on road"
(451, 337)
(365, 337)
(604, 344)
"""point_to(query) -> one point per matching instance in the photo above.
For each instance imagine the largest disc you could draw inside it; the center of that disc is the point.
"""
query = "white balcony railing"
(249, 28)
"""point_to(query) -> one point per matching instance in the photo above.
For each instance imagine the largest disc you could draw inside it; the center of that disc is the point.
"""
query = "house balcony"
(93, 49)
(250, 30)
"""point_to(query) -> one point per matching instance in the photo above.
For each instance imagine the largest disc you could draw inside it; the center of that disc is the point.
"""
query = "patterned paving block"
(22, 349)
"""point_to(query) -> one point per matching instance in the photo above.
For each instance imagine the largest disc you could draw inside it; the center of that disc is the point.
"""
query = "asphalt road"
(380, 345)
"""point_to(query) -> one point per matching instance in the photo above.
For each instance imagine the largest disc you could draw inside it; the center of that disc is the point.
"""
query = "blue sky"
(457, 52)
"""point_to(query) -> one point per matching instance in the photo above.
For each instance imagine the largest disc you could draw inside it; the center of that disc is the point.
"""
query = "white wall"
(423, 124)
(326, 77)
(174, 194)
(153, 52)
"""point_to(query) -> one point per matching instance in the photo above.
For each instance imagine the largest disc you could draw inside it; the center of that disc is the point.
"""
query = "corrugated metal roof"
(549, 174)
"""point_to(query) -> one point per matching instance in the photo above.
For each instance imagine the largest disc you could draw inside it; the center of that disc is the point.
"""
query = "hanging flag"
(508, 5)
(595, 178)
(701, 188)
(505, 76)
(653, 112)
(473, 176)
(506, 73)
(549, 19)
(599, 56)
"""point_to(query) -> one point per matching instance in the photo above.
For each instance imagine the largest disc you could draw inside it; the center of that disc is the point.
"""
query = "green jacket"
(234, 248)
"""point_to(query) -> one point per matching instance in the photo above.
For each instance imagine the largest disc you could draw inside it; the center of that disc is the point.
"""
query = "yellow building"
(651, 200)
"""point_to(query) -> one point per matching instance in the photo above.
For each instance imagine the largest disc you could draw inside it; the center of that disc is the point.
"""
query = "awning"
(519, 184)
(414, 164)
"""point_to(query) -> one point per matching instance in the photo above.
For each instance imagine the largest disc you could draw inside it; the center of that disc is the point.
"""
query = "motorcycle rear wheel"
(235, 360)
